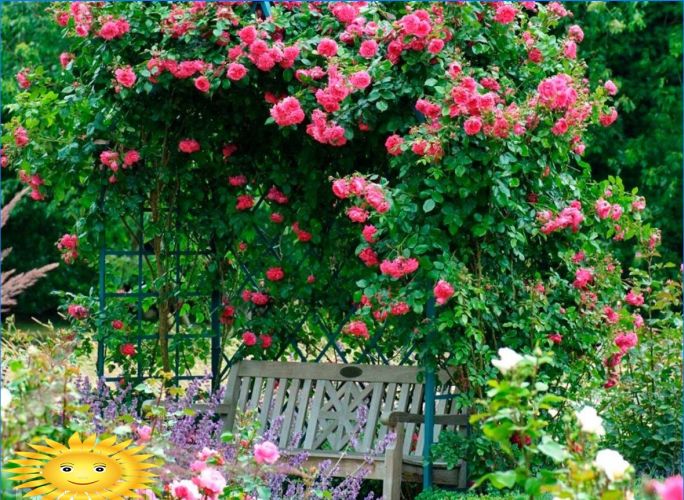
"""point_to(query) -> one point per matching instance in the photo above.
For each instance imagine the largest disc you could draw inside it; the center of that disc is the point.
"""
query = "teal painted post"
(215, 340)
(430, 392)
(101, 290)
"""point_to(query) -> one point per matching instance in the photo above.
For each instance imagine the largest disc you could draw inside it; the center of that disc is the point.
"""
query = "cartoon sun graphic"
(83, 470)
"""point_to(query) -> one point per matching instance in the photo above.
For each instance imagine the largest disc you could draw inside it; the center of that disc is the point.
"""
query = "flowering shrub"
(517, 415)
(452, 136)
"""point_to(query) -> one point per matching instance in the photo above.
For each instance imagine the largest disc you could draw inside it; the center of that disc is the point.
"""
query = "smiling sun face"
(83, 470)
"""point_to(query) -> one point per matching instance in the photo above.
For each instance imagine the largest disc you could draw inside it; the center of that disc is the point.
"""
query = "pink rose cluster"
(288, 112)
(325, 131)
(255, 297)
(357, 329)
(113, 28)
(68, 246)
(604, 209)
(571, 216)
(34, 182)
(82, 15)
(207, 484)
(443, 291)
(399, 267)
(250, 339)
(258, 52)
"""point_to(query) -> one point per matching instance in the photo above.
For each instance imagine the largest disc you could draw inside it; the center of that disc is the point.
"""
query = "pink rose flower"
(472, 125)
(583, 277)
(357, 329)
(202, 84)
(671, 489)
(184, 490)
(236, 71)
(211, 481)
(610, 87)
(131, 157)
(357, 214)
(189, 146)
(327, 47)
(144, 433)
(65, 58)
(443, 292)
(634, 298)
(288, 112)
(360, 79)
(369, 232)
(505, 13)
(626, 341)
(275, 274)
(125, 76)
(368, 49)
(340, 188)
(249, 338)
(393, 144)
(266, 453)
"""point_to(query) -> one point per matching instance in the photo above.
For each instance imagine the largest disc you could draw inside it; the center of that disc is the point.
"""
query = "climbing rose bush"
(452, 136)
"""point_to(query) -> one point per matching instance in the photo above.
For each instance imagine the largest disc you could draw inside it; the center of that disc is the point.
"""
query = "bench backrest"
(318, 402)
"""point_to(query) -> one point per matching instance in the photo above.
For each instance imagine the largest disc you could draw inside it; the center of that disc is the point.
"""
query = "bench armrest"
(395, 417)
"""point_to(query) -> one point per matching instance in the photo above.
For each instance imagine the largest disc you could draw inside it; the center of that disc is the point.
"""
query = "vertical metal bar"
(430, 390)
(178, 295)
(141, 249)
(215, 340)
(102, 297)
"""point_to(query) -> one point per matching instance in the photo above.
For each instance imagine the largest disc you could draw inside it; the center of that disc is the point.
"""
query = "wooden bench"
(318, 405)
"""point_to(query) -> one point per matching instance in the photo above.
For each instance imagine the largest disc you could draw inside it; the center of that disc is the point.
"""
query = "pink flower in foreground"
(399, 267)
(610, 87)
(144, 433)
(77, 311)
(211, 482)
(131, 157)
(671, 489)
(125, 76)
(266, 453)
(244, 202)
(360, 79)
(393, 144)
(472, 125)
(609, 118)
(357, 214)
(340, 188)
(556, 338)
(505, 13)
(443, 292)
(184, 490)
(117, 324)
(369, 232)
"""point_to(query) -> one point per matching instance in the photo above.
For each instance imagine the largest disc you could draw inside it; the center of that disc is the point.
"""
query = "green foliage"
(639, 46)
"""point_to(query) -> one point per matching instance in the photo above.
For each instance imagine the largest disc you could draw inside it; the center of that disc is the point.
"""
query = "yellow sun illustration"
(83, 470)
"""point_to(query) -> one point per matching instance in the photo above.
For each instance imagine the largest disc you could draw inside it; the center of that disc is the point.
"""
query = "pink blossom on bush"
(277, 217)
(638, 321)
(144, 433)
(368, 49)
(443, 292)
(202, 84)
(22, 79)
(184, 490)
(125, 76)
(639, 204)
(369, 257)
(327, 47)
(340, 188)
(610, 87)
(369, 232)
(117, 324)
(634, 298)
(244, 202)
(570, 49)
(603, 208)
(189, 146)
(236, 71)
(249, 338)
(210, 482)
(626, 341)
(357, 214)
(65, 58)
(357, 329)
(556, 92)
(266, 453)
(237, 180)
(556, 338)
(611, 316)
(472, 125)
(583, 277)
(360, 79)
(393, 144)
(671, 489)
(78, 312)
(607, 119)
(399, 267)
(288, 112)
(576, 33)
(21, 138)
(505, 13)
(435, 46)
(130, 158)
(275, 274)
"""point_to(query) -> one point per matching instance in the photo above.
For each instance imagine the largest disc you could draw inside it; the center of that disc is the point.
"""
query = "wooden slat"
(255, 394)
(374, 409)
(329, 371)
(292, 393)
(279, 398)
(388, 406)
(266, 404)
(312, 417)
(245, 385)
(302, 410)
(416, 407)
(230, 398)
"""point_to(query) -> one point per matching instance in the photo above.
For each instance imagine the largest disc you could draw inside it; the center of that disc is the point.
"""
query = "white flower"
(611, 463)
(590, 422)
(509, 360)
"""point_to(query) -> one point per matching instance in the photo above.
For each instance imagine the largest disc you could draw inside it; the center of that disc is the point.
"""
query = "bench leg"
(394, 459)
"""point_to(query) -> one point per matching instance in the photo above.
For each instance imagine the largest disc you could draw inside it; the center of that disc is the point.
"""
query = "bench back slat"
(318, 403)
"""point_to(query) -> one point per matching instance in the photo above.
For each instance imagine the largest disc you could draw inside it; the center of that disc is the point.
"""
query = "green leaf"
(552, 449)
(429, 205)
